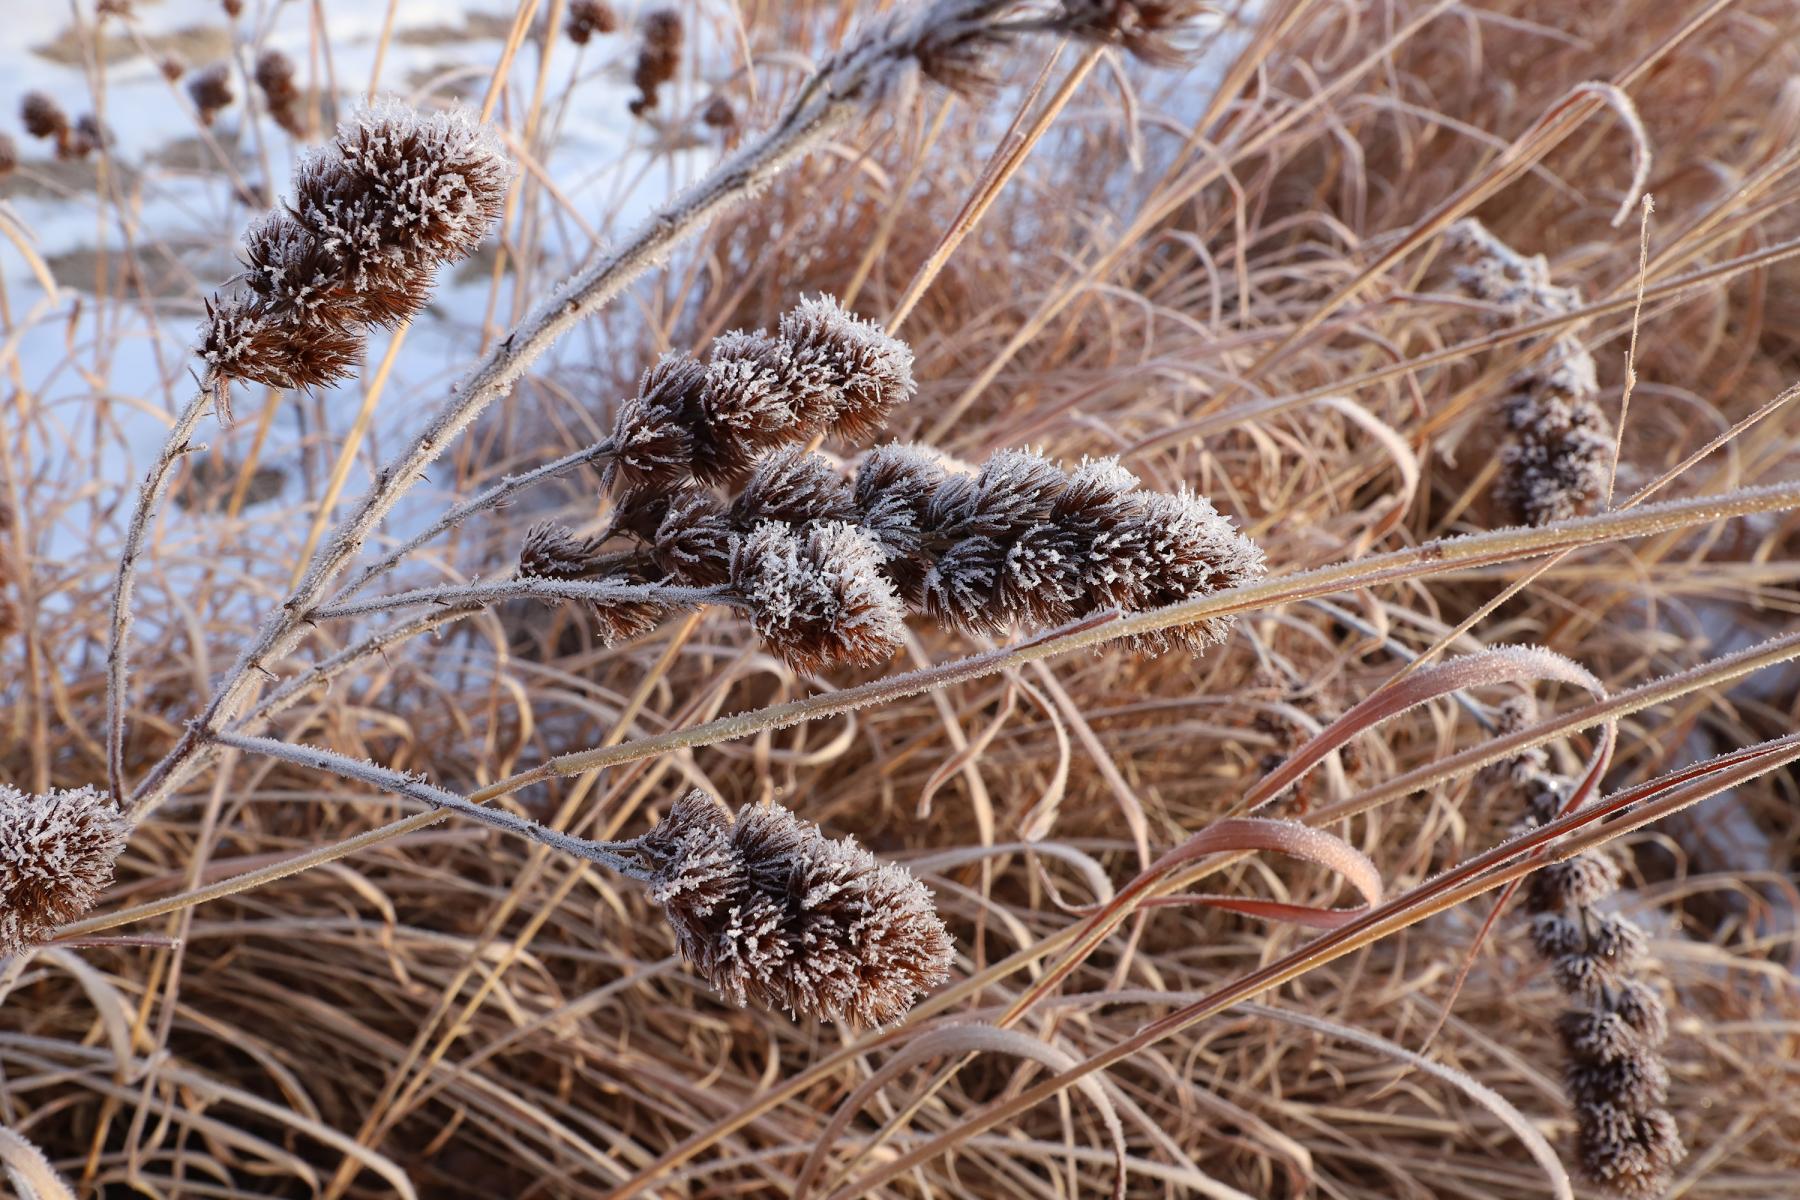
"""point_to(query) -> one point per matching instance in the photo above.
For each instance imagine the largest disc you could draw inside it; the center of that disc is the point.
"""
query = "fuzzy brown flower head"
(239, 341)
(693, 540)
(172, 68)
(818, 597)
(56, 856)
(211, 91)
(302, 278)
(653, 442)
(747, 406)
(794, 486)
(1631, 1154)
(42, 116)
(1577, 882)
(588, 17)
(659, 57)
(1151, 30)
(438, 181)
(845, 375)
(770, 911)
(552, 550)
(233, 8)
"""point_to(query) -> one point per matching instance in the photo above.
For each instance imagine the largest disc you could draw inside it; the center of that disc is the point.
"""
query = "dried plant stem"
(493, 498)
(1007, 161)
(343, 766)
(346, 458)
(829, 102)
(482, 594)
(118, 651)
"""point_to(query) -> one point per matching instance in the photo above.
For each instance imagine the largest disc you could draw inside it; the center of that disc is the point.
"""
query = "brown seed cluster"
(659, 57)
(275, 76)
(56, 856)
(772, 912)
(827, 567)
(211, 91)
(45, 119)
(1627, 1140)
(1557, 460)
(589, 17)
(396, 195)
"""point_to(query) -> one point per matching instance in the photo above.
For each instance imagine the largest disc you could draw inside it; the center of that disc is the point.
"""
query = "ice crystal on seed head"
(772, 912)
(817, 597)
(440, 179)
(56, 856)
(692, 541)
(849, 374)
(552, 550)
(794, 486)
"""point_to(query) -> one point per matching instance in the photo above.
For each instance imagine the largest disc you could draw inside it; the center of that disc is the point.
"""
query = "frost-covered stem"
(826, 104)
(118, 654)
(332, 763)
(599, 591)
(494, 497)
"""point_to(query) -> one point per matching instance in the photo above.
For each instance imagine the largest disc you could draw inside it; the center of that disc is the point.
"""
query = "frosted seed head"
(863, 373)
(745, 405)
(817, 598)
(440, 179)
(552, 550)
(56, 856)
(240, 341)
(1634, 1081)
(1637, 1004)
(1630, 1154)
(772, 912)
(794, 486)
(961, 589)
(1554, 934)
(692, 542)
(1597, 1034)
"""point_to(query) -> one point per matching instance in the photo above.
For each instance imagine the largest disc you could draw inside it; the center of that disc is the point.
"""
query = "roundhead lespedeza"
(770, 911)
(722, 499)
(1627, 1140)
(56, 856)
(394, 196)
